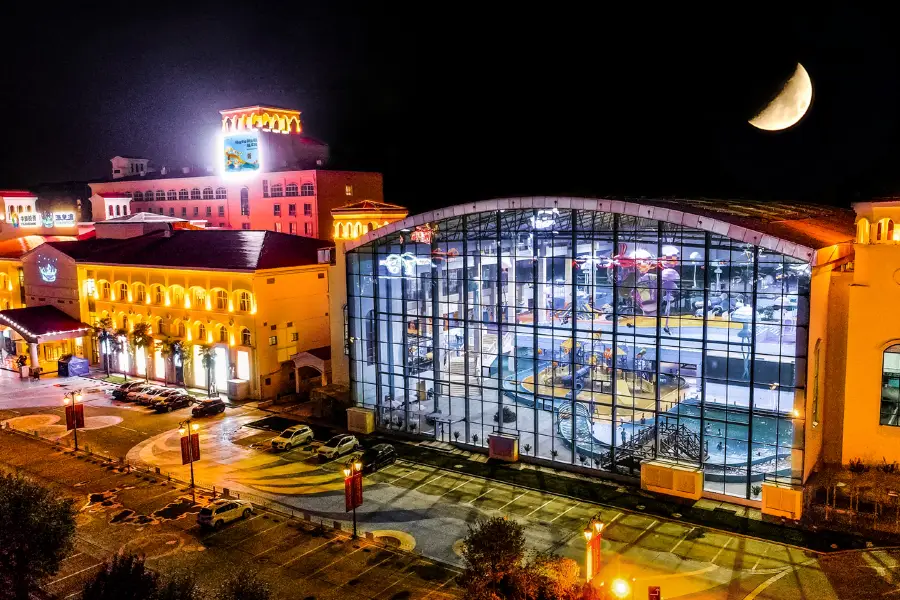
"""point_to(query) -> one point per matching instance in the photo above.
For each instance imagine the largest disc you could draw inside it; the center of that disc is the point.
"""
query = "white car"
(222, 511)
(338, 445)
(292, 436)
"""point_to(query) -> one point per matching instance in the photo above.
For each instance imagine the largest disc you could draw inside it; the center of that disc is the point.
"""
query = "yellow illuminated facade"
(263, 118)
(355, 220)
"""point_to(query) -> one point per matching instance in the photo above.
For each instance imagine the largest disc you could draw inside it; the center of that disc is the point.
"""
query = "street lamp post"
(592, 535)
(190, 448)
(353, 488)
(74, 413)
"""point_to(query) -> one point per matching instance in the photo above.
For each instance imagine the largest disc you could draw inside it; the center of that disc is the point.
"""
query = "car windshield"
(205, 512)
(334, 441)
(370, 455)
(288, 432)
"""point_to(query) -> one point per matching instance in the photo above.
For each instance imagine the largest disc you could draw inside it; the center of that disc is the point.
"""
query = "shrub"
(527, 448)
(456, 435)
(509, 415)
(756, 490)
(888, 468)
(857, 467)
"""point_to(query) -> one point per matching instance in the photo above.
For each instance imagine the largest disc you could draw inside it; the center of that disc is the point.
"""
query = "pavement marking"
(513, 500)
(564, 512)
(73, 556)
(539, 507)
(613, 520)
(684, 537)
(759, 589)
(241, 541)
(335, 561)
(489, 490)
(435, 590)
(427, 482)
(679, 574)
(325, 543)
(94, 566)
(223, 530)
(127, 428)
(165, 493)
(393, 481)
(457, 487)
(720, 551)
(378, 564)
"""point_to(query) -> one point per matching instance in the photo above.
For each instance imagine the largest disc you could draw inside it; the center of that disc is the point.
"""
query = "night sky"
(455, 104)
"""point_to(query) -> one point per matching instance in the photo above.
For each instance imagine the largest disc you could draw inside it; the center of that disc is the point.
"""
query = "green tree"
(103, 333)
(37, 530)
(244, 585)
(180, 587)
(124, 577)
(551, 577)
(493, 551)
(208, 359)
(119, 347)
(142, 338)
(167, 352)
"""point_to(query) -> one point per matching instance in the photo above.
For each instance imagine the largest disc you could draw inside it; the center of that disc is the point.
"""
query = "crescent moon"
(789, 106)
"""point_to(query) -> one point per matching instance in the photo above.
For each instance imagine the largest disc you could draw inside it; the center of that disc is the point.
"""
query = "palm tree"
(181, 349)
(120, 345)
(141, 338)
(167, 352)
(208, 359)
(102, 332)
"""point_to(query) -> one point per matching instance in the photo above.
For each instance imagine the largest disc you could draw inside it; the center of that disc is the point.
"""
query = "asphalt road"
(429, 509)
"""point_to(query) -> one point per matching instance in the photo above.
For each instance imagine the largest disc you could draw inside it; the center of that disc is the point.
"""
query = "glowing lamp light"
(189, 336)
(598, 526)
(208, 304)
(66, 400)
(620, 588)
(112, 296)
(130, 297)
(588, 534)
(187, 302)
(209, 338)
(182, 431)
(346, 471)
(78, 397)
(194, 426)
(796, 413)
(231, 306)
(231, 343)
(357, 465)
(147, 300)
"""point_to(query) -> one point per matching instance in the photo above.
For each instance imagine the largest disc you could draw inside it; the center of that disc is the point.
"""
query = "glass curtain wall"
(600, 340)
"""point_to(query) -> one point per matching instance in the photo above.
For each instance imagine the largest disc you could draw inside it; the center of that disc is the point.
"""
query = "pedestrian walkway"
(707, 513)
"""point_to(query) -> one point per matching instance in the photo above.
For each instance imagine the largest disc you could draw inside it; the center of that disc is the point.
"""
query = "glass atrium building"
(599, 336)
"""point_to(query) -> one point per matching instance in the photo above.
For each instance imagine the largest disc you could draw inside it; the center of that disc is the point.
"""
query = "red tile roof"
(17, 194)
(34, 321)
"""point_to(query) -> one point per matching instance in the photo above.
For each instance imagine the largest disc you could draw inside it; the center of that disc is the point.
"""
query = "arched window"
(245, 201)
(118, 210)
(157, 294)
(890, 387)
(201, 332)
(221, 194)
(124, 209)
(123, 292)
(307, 189)
(276, 191)
(862, 231)
(140, 294)
(160, 195)
(148, 195)
(110, 210)
(245, 337)
(884, 231)
(291, 190)
(223, 334)
(180, 331)
(182, 194)
(198, 297)
(221, 300)
(138, 196)
(245, 304)
(177, 296)
(171, 195)
(207, 193)
(128, 194)
(105, 289)
(195, 194)
(371, 227)
(124, 323)
(338, 231)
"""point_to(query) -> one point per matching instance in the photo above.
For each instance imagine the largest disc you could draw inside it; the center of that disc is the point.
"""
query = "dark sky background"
(455, 104)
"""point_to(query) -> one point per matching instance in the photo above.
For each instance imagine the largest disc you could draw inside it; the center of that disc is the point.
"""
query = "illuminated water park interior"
(599, 339)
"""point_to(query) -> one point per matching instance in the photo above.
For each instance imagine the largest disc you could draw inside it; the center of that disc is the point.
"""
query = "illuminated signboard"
(422, 234)
(29, 220)
(64, 219)
(545, 219)
(240, 153)
(48, 270)
(406, 262)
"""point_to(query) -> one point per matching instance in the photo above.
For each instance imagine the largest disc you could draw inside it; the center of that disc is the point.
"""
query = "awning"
(43, 323)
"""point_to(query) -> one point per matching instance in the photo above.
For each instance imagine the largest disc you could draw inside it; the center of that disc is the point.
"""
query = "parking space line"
(215, 533)
(94, 566)
(457, 487)
(681, 539)
(489, 490)
(72, 556)
(713, 561)
(564, 512)
(427, 482)
(378, 564)
(513, 500)
(334, 562)
(325, 543)
(539, 507)
(435, 590)
(393, 481)
(254, 535)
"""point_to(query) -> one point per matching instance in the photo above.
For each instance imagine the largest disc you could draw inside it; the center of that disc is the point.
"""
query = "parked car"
(222, 511)
(154, 394)
(164, 394)
(208, 406)
(120, 392)
(292, 436)
(378, 456)
(338, 445)
(134, 392)
(172, 402)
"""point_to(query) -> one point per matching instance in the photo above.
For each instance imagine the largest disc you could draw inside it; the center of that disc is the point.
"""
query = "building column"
(296, 379)
(35, 357)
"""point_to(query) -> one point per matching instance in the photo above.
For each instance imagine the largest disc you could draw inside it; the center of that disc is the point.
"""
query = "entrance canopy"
(39, 324)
